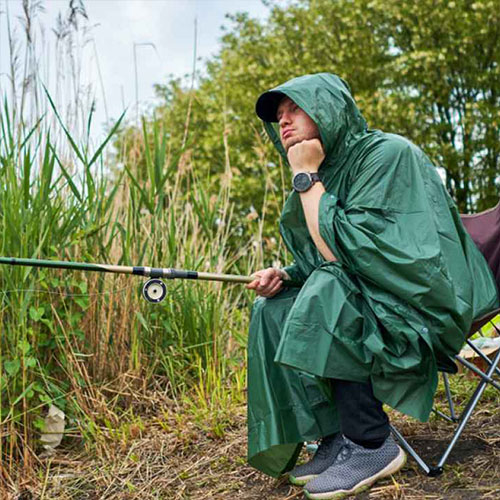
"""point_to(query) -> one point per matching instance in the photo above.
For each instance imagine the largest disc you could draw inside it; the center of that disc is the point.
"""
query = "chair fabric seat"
(484, 229)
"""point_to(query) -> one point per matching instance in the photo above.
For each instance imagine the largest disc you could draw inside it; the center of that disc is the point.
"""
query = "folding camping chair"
(484, 228)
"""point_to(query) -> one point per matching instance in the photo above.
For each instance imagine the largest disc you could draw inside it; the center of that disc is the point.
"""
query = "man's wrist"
(285, 275)
(303, 168)
(317, 189)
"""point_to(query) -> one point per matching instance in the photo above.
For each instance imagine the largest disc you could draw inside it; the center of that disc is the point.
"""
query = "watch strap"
(315, 177)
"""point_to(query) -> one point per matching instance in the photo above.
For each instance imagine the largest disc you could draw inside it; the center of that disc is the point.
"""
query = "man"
(387, 293)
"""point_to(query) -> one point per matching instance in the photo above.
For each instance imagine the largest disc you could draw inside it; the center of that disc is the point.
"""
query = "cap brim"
(267, 105)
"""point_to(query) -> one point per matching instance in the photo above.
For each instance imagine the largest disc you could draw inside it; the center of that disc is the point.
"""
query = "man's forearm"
(310, 203)
(307, 156)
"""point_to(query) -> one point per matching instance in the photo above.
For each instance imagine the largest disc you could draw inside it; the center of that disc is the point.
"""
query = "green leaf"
(36, 314)
(30, 362)
(12, 367)
(98, 152)
(39, 422)
(68, 135)
(142, 320)
(24, 346)
(82, 286)
(83, 302)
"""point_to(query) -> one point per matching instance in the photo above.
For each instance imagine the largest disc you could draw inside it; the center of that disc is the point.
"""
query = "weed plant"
(64, 334)
(86, 342)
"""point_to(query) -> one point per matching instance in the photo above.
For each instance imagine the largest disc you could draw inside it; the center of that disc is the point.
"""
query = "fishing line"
(115, 291)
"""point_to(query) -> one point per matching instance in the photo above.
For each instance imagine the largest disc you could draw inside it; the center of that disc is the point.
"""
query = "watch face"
(301, 182)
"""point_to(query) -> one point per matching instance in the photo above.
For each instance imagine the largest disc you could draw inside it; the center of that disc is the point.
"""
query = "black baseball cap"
(267, 105)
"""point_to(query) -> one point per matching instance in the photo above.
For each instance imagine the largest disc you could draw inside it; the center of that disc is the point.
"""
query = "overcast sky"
(118, 24)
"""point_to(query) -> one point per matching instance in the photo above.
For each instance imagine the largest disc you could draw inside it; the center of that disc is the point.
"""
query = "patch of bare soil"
(170, 458)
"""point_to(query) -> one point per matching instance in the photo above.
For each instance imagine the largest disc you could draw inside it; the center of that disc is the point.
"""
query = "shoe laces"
(325, 446)
(344, 453)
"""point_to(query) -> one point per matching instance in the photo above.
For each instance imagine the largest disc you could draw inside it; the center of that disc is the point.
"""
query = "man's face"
(295, 124)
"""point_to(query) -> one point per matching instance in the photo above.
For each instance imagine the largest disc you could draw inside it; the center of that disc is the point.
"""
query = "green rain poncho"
(393, 309)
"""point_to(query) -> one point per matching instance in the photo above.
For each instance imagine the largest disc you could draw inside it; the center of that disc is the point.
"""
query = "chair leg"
(480, 373)
(443, 415)
(451, 406)
(434, 471)
(410, 450)
(452, 417)
(464, 418)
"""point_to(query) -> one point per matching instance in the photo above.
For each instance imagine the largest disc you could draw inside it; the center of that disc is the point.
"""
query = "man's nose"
(284, 119)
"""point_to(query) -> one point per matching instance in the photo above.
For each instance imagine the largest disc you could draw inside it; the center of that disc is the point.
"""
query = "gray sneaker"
(355, 469)
(324, 457)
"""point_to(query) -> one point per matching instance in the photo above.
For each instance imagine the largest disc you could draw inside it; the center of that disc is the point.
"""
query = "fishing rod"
(154, 290)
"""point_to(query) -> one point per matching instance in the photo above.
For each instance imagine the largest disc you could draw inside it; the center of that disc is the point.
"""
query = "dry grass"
(168, 455)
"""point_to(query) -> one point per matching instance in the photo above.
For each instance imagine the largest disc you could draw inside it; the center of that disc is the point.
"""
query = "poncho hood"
(327, 99)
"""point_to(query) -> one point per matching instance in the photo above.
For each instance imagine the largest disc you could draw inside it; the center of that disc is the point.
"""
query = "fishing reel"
(154, 290)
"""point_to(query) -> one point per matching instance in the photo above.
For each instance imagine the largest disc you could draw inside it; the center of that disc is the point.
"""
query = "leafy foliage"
(427, 70)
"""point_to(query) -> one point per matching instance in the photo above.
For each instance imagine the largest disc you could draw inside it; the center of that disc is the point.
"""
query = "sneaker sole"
(364, 485)
(301, 480)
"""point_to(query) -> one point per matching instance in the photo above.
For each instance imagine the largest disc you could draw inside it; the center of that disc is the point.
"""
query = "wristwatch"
(302, 181)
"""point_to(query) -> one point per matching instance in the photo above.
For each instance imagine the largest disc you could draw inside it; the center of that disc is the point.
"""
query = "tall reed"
(88, 343)
(64, 334)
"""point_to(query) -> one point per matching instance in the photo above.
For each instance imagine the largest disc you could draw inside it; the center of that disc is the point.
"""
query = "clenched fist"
(306, 156)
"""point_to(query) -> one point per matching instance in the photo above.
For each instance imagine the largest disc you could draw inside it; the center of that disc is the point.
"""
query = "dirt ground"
(170, 457)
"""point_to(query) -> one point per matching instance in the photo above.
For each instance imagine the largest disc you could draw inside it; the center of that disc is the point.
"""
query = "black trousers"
(362, 418)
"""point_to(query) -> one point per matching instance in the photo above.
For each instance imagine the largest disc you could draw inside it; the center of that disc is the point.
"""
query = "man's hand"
(268, 281)
(306, 156)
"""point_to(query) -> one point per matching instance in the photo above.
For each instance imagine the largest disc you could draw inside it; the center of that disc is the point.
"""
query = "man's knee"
(269, 315)
(277, 306)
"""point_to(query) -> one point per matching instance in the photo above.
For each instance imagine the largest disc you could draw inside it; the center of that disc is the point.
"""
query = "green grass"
(85, 342)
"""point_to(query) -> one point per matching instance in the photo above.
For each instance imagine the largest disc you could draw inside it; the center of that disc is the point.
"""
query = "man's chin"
(292, 142)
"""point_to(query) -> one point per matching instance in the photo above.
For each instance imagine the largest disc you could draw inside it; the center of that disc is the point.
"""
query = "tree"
(427, 70)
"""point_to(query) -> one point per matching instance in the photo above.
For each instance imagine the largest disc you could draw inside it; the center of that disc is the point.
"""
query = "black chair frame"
(486, 379)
